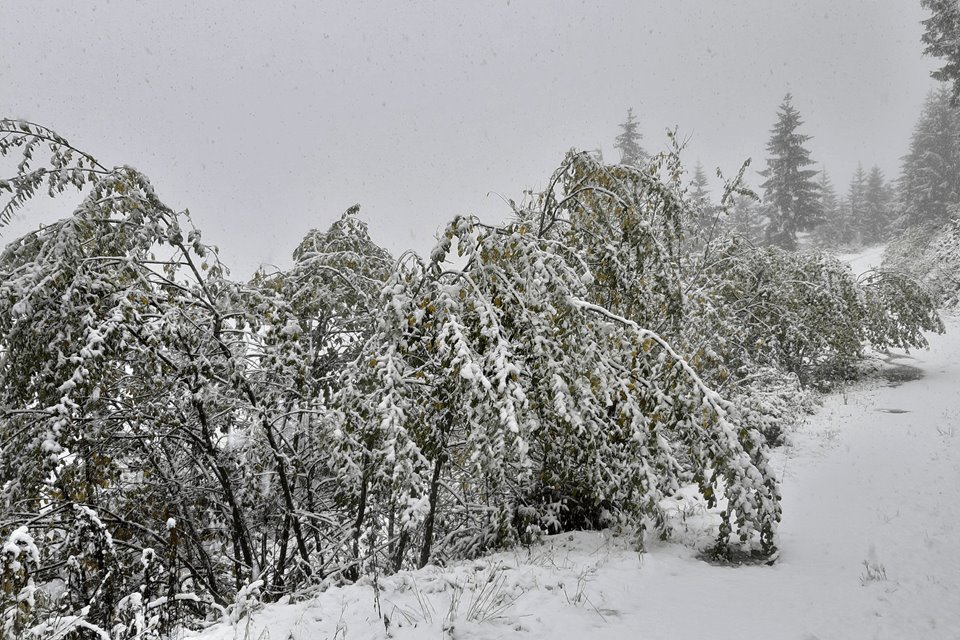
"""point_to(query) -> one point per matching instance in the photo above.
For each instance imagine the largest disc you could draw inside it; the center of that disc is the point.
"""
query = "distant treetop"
(628, 142)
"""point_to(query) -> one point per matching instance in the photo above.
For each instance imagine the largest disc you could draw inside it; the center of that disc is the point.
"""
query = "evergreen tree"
(700, 187)
(628, 142)
(930, 176)
(828, 195)
(744, 219)
(791, 201)
(856, 201)
(834, 227)
(942, 39)
(876, 205)
(702, 209)
(844, 222)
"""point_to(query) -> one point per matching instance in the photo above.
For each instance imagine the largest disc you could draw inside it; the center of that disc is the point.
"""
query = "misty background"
(269, 119)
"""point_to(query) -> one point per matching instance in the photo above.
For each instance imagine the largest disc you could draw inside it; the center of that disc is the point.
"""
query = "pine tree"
(942, 39)
(930, 176)
(628, 142)
(791, 200)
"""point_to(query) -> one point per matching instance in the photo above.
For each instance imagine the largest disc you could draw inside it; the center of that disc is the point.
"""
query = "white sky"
(269, 118)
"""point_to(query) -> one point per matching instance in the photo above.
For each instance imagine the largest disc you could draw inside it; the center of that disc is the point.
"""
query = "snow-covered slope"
(869, 549)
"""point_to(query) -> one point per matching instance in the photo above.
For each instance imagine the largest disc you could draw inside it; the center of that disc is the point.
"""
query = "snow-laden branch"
(717, 403)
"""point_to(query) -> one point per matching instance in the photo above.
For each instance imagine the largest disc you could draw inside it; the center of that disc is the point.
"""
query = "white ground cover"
(868, 258)
(870, 548)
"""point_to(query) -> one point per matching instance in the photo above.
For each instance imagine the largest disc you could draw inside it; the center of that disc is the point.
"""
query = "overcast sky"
(266, 119)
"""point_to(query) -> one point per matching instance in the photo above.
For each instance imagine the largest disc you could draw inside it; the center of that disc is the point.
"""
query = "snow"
(868, 549)
(865, 260)
(20, 541)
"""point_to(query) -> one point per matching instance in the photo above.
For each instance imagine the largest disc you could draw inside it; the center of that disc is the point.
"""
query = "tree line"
(800, 203)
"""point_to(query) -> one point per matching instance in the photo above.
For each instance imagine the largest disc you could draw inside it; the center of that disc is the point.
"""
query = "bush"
(930, 255)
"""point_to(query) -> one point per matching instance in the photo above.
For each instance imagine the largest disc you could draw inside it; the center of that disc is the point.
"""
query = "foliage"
(930, 176)
(942, 39)
(931, 256)
(863, 217)
(479, 376)
(332, 291)
(181, 445)
(898, 309)
(806, 314)
(141, 384)
(19, 560)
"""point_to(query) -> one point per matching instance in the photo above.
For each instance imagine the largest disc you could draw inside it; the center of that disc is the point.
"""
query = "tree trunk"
(432, 514)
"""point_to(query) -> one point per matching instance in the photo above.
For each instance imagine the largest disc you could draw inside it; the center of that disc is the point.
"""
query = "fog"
(268, 119)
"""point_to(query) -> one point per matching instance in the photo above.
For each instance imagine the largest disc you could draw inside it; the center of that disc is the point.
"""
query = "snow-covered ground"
(869, 258)
(869, 549)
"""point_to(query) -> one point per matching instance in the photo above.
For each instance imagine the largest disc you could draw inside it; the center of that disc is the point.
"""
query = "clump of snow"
(19, 548)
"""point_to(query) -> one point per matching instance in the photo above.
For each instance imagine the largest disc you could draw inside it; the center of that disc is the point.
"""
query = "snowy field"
(868, 548)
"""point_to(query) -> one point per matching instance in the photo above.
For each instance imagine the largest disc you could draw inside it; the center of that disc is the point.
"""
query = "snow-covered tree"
(628, 142)
(944, 274)
(744, 219)
(790, 192)
(699, 191)
(828, 195)
(834, 231)
(705, 222)
(856, 204)
(942, 39)
(161, 423)
(479, 371)
(805, 313)
(929, 184)
(931, 257)
(333, 290)
(173, 441)
(120, 372)
(878, 207)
